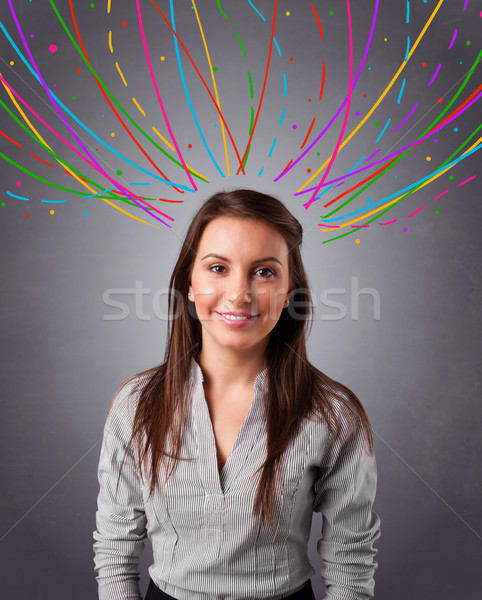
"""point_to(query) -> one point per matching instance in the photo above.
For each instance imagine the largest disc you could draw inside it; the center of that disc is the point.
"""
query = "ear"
(190, 294)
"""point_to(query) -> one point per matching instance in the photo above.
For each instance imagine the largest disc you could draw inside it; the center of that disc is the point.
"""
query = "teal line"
(55, 201)
(284, 85)
(401, 91)
(408, 12)
(262, 169)
(383, 130)
(257, 10)
(272, 148)
(282, 116)
(408, 48)
(15, 196)
(277, 47)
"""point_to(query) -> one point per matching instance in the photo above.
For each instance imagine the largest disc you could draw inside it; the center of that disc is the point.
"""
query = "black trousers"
(154, 593)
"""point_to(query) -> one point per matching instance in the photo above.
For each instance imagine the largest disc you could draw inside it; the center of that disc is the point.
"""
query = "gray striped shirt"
(206, 543)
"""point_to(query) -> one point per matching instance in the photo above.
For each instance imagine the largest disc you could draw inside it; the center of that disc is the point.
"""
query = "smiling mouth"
(238, 318)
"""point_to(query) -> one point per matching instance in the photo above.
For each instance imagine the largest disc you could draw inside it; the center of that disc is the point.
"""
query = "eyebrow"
(259, 260)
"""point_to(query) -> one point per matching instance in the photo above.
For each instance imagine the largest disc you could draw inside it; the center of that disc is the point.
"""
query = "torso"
(228, 413)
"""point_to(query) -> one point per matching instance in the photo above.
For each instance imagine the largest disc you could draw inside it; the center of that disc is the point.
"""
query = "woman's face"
(241, 269)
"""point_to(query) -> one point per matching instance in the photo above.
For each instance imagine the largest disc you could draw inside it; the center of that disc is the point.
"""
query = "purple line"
(435, 74)
(465, 6)
(376, 152)
(370, 36)
(436, 130)
(453, 39)
(406, 118)
(59, 112)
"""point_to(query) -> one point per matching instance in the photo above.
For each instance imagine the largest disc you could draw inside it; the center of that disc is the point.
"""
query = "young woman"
(222, 453)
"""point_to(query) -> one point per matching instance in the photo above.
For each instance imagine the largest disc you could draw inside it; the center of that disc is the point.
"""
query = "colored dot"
(92, 5)
(52, 212)
(78, 71)
(294, 126)
(19, 183)
(292, 59)
(357, 113)
(468, 42)
(440, 100)
(3, 204)
(331, 13)
(451, 177)
(74, 97)
(288, 13)
(369, 68)
(12, 63)
(357, 241)
(163, 58)
(118, 172)
(375, 123)
(124, 23)
(53, 48)
(405, 229)
(364, 95)
(86, 213)
(318, 154)
(396, 176)
(32, 35)
(309, 99)
(112, 134)
(428, 158)
(27, 216)
(437, 212)
(369, 199)
(456, 129)
(215, 68)
(435, 141)
(385, 39)
(55, 85)
(308, 170)
(424, 64)
(189, 145)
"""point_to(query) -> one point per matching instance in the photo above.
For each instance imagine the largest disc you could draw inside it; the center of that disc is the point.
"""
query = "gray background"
(415, 366)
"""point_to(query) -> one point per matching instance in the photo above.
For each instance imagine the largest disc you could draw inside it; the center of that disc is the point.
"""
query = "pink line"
(406, 118)
(347, 111)
(415, 212)
(453, 39)
(59, 112)
(357, 226)
(435, 74)
(90, 163)
(330, 226)
(149, 65)
(389, 222)
(463, 182)
(437, 197)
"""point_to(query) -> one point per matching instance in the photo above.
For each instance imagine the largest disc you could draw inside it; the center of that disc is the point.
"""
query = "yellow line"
(396, 199)
(374, 107)
(214, 84)
(110, 42)
(108, 6)
(86, 185)
(169, 145)
(138, 106)
(121, 74)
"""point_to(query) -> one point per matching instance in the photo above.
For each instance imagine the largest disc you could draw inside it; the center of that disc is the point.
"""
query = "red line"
(175, 201)
(287, 166)
(43, 161)
(307, 136)
(264, 86)
(205, 85)
(318, 21)
(112, 106)
(322, 81)
(9, 138)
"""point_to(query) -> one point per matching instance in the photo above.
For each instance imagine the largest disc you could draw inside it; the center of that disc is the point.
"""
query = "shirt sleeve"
(120, 518)
(344, 494)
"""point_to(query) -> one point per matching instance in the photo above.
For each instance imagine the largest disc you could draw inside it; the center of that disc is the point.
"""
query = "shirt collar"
(260, 381)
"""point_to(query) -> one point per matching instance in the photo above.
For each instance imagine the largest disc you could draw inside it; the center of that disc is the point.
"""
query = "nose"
(238, 290)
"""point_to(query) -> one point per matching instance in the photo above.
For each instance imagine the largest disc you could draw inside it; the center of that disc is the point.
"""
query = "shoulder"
(122, 409)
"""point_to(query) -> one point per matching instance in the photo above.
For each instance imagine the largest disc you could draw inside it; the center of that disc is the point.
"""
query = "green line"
(250, 86)
(252, 120)
(240, 43)
(113, 98)
(246, 157)
(221, 10)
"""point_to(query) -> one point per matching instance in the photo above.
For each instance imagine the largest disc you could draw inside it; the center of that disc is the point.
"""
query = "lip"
(243, 323)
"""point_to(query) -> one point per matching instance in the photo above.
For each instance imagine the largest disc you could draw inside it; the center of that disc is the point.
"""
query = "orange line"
(307, 136)
(322, 81)
(264, 86)
(318, 21)
(43, 161)
(9, 138)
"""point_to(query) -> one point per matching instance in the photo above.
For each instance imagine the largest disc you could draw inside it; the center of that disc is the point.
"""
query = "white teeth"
(233, 318)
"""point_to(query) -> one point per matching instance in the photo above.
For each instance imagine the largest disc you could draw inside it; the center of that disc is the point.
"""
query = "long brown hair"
(296, 388)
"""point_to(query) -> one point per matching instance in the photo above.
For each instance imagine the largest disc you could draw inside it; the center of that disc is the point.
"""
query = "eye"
(269, 273)
(216, 267)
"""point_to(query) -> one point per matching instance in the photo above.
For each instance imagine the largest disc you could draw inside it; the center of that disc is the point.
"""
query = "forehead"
(232, 236)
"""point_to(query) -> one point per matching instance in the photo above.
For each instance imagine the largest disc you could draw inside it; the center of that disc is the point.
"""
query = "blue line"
(272, 148)
(277, 47)
(140, 183)
(407, 189)
(188, 97)
(324, 192)
(408, 48)
(262, 169)
(256, 10)
(98, 193)
(401, 91)
(54, 201)
(96, 137)
(408, 11)
(383, 130)
(282, 116)
(355, 166)
(15, 196)
(284, 85)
